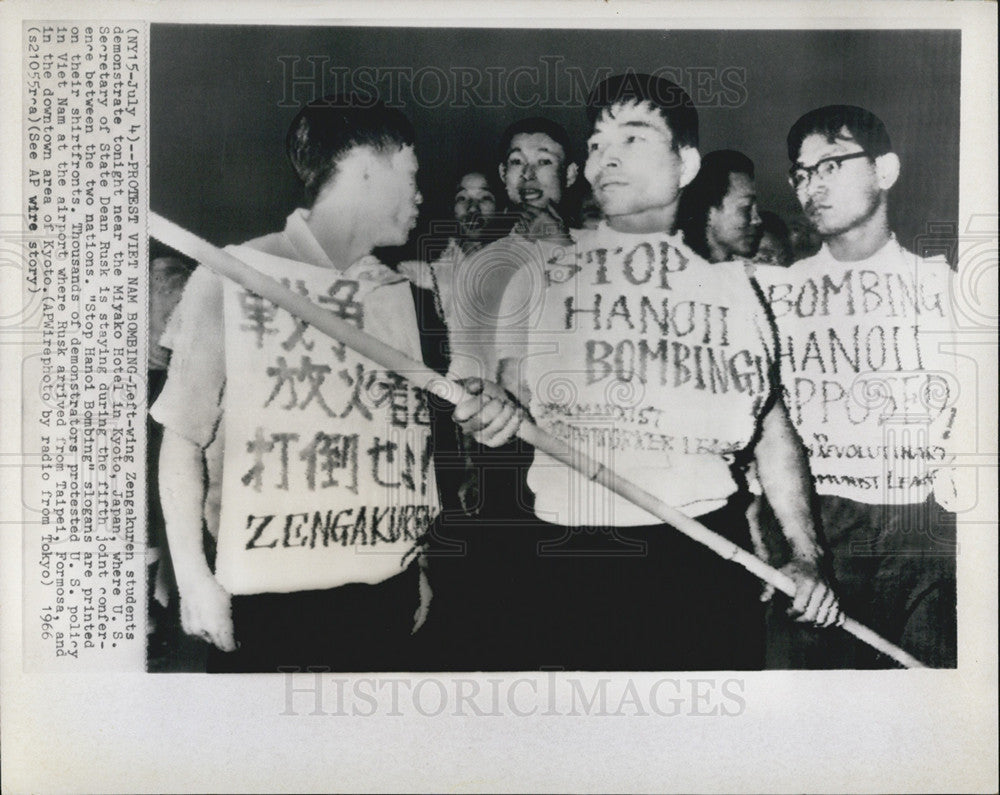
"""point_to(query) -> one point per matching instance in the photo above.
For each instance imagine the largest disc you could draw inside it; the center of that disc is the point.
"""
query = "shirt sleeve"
(418, 272)
(190, 404)
(515, 309)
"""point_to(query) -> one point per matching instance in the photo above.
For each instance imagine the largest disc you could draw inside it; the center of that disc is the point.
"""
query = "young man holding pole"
(870, 383)
(327, 484)
(658, 364)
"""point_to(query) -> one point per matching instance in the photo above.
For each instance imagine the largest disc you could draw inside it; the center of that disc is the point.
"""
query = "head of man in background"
(535, 166)
(843, 168)
(643, 150)
(718, 210)
(358, 168)
(475, 203)
(775, 247)
(803, 237)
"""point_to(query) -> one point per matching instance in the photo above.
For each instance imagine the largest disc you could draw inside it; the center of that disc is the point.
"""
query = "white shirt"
(866, 381)
(651, 359)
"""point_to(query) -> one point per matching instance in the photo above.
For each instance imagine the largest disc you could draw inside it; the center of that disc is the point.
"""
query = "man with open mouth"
(476, 627)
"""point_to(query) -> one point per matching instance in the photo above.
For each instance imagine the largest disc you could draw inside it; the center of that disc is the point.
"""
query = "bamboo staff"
(422, 376)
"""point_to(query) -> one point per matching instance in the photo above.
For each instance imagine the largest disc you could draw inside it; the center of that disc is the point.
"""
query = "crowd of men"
(785, 385)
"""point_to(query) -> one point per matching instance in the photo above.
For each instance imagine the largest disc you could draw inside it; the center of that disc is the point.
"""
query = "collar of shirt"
(604, 232)
(891, 248)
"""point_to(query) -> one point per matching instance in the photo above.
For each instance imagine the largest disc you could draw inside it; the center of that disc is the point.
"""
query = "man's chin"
(396, 240)
(821, 223)
(538, 203)
(473, 228)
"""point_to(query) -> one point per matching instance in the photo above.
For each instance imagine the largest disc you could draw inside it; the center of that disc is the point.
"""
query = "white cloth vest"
(327, 476)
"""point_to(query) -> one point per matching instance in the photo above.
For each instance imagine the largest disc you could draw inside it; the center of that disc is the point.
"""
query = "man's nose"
(608, 157)
(418, 198)
(814, 184)
(755, 219)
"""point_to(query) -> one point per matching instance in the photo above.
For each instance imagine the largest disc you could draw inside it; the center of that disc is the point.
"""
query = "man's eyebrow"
(835, 153)
(543, 148)
(637, 123)
(800, 164)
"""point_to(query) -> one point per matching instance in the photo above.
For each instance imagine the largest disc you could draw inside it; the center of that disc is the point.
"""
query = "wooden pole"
(299, 306)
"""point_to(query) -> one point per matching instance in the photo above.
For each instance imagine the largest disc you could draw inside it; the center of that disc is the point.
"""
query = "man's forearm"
(783, 470)
(182, 494)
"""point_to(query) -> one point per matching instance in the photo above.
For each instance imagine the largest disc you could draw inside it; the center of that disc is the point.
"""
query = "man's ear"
(352, 168)
(362, 162)
(502, 171)
(887, 170)
(572, 171)
(690, 163)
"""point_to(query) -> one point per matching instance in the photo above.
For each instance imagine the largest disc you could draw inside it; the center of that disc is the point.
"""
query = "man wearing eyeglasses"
(860, 327)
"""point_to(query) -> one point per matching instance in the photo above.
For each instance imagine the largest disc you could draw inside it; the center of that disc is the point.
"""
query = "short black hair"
(707, 190)
(535, 124)
(672, 102)
(830, 121)
(481, 172)
(327, 128)
(773, 223)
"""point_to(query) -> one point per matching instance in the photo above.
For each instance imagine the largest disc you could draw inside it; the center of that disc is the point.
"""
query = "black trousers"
(528, 595)
(354, 627)
(894, 569)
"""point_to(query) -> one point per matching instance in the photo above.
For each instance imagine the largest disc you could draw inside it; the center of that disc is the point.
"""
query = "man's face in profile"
(384, 200)
(732, 228)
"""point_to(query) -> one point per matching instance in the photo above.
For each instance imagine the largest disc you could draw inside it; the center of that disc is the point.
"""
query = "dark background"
(221, 103)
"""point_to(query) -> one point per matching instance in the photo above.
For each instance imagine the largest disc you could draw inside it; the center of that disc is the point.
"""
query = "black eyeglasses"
(799, 176)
